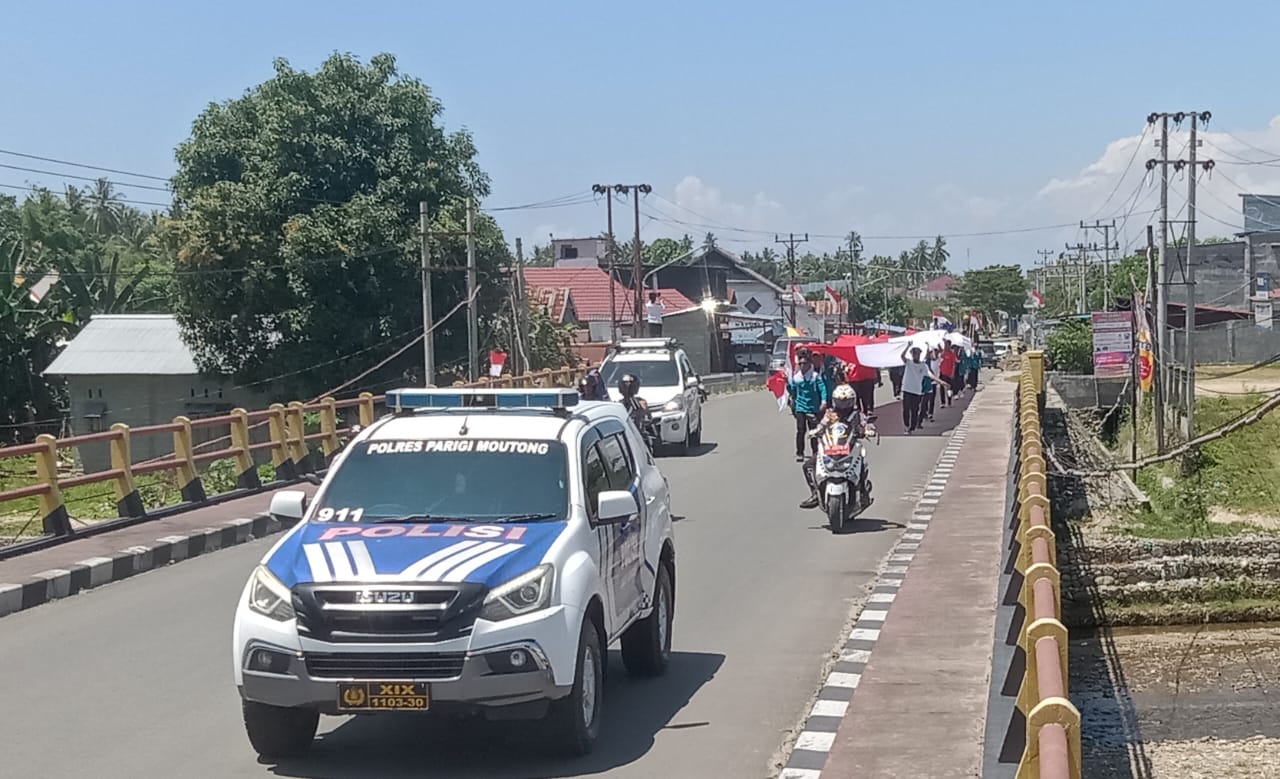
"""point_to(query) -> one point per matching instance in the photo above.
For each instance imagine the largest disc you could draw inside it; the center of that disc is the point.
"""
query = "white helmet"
(843, 399)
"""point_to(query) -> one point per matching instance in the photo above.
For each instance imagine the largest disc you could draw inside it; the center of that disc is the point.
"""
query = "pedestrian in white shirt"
(653, 314)
(915, 371)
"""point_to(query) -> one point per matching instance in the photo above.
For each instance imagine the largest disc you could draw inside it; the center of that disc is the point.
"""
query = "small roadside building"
(136, 369)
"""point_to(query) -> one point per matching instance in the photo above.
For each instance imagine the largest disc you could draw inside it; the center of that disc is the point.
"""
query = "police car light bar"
(410, 399)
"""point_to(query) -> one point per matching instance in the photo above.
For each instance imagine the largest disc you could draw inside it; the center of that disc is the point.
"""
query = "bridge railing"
(1044, 733)
(294, 452)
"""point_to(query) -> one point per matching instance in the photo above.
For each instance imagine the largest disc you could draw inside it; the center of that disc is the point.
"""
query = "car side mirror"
(288, 506)
(615, 506)
(692, 381)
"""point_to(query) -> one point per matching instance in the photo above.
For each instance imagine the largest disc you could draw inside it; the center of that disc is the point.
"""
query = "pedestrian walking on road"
(895, 377)
(973, 364)
(930, 388)
(915, 370)
(807, 393)
(947, 369)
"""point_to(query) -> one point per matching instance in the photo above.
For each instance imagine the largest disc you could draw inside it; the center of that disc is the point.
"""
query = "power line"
(84, 165)
(86, 178)
(30, 188)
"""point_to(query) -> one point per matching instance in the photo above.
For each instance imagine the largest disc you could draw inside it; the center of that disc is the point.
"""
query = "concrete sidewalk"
(920, 705)
(34, 578)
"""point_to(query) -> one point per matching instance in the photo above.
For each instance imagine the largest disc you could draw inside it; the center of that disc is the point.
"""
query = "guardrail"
(1045, 727)
(287, 440)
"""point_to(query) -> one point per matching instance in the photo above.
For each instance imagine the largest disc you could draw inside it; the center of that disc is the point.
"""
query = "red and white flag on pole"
(940, 319)
(832, 295)
(497, 359)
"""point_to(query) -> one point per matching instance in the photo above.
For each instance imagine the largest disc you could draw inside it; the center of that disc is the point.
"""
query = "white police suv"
(474, 551)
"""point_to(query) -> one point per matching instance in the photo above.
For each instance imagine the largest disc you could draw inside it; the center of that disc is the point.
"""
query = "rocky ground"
(1179, 703)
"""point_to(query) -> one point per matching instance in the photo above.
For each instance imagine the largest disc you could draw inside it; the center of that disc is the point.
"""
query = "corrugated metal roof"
(126, 344)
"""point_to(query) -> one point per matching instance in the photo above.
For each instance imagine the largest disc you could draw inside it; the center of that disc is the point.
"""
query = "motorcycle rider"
(591, 386)
(843, 409)
(636, 406)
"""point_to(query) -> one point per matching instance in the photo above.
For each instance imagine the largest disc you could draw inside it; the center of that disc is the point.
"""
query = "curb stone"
(808, 756)
(95, 572)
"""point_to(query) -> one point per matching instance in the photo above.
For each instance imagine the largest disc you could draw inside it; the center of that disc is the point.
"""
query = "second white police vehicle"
(668, 383)
(476, 551)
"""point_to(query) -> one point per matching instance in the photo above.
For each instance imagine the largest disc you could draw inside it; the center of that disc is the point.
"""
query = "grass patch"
(94, 502)
(1239, 473)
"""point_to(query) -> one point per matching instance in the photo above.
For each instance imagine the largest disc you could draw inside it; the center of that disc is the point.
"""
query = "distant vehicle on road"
(668, 383)
(477, 551)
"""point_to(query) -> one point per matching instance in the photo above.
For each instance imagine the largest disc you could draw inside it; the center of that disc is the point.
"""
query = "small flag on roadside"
(777, 384)
(940, 320)
(497, 359)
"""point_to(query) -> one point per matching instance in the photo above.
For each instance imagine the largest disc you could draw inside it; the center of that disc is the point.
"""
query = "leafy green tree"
(993, 289)
(298, 212)
(29, 333)
(1070, 346)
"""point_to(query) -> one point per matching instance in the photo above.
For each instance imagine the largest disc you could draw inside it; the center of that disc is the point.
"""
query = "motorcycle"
(841, 473)
(643, 422)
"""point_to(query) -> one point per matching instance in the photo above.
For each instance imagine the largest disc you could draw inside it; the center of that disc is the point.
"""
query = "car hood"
(320, 552)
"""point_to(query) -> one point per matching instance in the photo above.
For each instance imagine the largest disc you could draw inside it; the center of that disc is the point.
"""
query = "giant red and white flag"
(832, 295)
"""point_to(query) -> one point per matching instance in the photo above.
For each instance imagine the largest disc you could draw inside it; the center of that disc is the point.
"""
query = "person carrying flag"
(808, 396)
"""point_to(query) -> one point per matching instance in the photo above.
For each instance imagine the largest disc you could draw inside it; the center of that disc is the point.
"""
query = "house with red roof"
(587, 297)
(938, 289)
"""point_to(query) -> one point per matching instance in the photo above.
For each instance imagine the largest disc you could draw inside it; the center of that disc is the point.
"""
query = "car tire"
(835, 513)
(575, 718)
(277, 732)
(696, 438)
(684, 446)
(646, 645)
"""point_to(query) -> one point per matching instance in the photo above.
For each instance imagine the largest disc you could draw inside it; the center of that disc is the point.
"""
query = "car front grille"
(343, 613)
(385, 665)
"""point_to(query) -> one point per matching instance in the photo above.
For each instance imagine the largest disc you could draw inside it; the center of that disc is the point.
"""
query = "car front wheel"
(646, 645)
(277, 732)
(575, 718)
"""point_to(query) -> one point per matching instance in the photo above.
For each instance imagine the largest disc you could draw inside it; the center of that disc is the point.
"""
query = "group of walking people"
(811, 388)
(932, 376)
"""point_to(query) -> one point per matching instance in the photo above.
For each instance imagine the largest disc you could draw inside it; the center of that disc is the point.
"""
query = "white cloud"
(703, 204)
(1246, 161)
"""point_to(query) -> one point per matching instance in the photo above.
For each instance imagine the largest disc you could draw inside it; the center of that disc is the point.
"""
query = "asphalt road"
(134, 679)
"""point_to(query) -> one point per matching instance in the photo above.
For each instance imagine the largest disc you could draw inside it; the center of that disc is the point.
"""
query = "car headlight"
(269, 597)
(675, 404)
(527, 593)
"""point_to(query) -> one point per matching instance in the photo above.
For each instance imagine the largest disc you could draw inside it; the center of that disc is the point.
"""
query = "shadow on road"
(389, 746)
(704, 448)
(859, 525)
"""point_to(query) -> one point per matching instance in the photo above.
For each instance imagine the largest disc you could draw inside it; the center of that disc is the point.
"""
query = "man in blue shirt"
(808, 395)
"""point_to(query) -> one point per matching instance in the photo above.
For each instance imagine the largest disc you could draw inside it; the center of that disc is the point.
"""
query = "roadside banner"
(1112, 343)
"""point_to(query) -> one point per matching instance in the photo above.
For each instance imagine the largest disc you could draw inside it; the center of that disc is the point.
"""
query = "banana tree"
(30, 330)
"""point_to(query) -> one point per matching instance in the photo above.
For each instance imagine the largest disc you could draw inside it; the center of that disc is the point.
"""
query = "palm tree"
(940, 255)
(105, 212)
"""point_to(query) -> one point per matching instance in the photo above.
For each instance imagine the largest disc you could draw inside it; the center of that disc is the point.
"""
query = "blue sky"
(894, 119)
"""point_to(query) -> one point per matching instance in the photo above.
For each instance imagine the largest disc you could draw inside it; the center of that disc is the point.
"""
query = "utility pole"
(1082, 267)
(637, 273)
(853, 278)
(522, 311)
(1158, 399)
(791, 240)
(1106, 257)
(1188, 270)
(1045, 254)
(428, 338)
(473, 306)
(607, 191)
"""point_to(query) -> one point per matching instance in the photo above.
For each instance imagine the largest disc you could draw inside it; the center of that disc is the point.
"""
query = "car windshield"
(458, 478)
(780, 348)
(651, 373)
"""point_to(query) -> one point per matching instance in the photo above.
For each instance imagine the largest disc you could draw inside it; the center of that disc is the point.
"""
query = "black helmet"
(628, 385)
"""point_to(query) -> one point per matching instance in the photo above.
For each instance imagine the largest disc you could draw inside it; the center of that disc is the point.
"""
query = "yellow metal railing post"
(329, 426)
(53, 512)
(295, 432)
(128, 502)
(366, 409)
(246, 471)
(188, 480)
(280, 444)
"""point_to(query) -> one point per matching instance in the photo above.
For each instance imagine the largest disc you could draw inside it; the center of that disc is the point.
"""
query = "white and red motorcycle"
(841, 473)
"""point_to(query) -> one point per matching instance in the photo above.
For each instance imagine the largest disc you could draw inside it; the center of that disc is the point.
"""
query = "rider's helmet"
(843, 399)
(628, 386)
